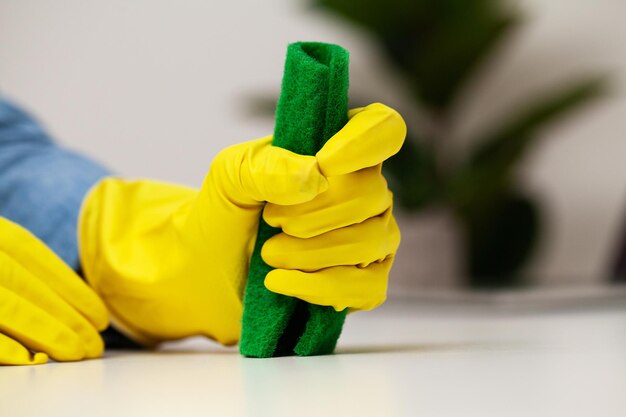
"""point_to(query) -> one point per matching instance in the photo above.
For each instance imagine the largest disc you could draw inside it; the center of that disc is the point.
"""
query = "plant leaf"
(436, 44)
(444, 64)
(490, 166)
(411, 175)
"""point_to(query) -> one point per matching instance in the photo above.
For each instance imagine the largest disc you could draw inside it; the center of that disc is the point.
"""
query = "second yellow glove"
(46, 310)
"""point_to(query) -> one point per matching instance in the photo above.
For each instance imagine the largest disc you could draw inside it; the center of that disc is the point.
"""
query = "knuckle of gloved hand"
(369, 205)
(377, 299)
(393, 231)
(290, 178)
(366, 181)
(233, 159)
(66, 345)
(337, 214)
(377, 302)
(94, 346)
(226, 156)
(294, 224)
(305, 226)
(67, 353)
(273, 215)
(271, 252)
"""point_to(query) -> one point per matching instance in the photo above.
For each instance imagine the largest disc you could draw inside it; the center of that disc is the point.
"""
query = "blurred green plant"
(438, 46)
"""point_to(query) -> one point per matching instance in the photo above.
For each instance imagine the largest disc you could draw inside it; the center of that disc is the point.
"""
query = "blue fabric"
(42, 185)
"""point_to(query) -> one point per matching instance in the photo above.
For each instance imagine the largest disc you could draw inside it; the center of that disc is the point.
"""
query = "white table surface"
(404, 359)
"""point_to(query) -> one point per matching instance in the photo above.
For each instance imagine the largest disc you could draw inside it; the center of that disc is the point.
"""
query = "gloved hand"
(337, 249)
(171, 262)
(46, 310)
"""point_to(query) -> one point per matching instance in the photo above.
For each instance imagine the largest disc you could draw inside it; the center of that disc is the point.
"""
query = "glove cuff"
(104, 216)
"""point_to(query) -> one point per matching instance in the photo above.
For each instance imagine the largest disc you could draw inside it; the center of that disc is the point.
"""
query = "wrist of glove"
(171, 262)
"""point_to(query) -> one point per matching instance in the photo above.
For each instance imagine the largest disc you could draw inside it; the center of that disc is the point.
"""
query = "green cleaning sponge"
(312, 107)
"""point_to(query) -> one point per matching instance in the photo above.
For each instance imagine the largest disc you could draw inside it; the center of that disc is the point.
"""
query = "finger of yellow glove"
(13, 353)
(372, 135)
(361, 244)
(350, 199)
(255, 172)
(36, 329)
(34, 255)
(16, 279)
(340, 287)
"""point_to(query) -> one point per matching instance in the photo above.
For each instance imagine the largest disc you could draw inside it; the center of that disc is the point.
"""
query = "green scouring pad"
(312, 107)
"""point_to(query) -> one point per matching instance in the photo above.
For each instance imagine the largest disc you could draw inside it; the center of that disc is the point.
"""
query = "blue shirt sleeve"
(42, 185)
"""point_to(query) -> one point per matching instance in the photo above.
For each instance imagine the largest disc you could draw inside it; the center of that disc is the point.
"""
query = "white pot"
(430, 253)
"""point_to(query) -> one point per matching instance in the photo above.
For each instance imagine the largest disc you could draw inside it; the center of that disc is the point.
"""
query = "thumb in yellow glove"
(46, 310)
(171, 262)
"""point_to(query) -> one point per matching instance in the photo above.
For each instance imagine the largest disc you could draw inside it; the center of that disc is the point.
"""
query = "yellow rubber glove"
(171, 262)
(336, 250)
(46, 310)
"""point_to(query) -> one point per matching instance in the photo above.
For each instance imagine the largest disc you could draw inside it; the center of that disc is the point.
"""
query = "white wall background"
(155, 88)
